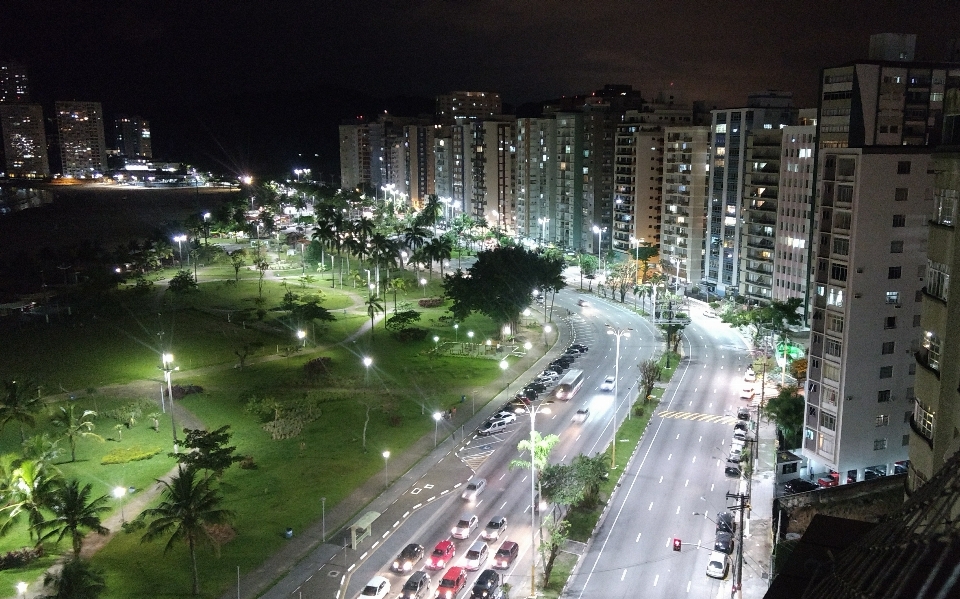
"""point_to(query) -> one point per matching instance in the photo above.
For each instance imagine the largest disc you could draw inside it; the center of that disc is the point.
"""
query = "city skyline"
(210, 78)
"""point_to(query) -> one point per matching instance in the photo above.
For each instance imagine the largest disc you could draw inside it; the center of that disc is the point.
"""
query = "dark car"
(408, 558)
(506, 554)
(726, 523)
(558, 368)
(798, 485)
(579, 347)
(416, 587)
(527, 393)
(487, 586)
(741, 426)
(743, 414)
(732, 469)
(572, 352)
(537, 386)
(724, 542)
(565, 359)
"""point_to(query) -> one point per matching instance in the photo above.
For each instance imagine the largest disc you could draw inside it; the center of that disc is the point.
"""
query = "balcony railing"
(916, 428)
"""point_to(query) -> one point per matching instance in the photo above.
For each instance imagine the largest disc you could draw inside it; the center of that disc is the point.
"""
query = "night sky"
(261, 85)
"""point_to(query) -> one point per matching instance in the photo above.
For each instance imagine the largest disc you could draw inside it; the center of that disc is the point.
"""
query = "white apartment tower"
(83, 151)
(536, 179)
(489, 193)
(870, 260)
(686, 174)
(24, 141)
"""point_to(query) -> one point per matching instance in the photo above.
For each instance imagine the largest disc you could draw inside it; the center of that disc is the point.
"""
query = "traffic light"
(676, 544)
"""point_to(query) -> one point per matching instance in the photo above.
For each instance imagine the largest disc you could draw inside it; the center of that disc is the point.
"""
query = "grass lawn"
(562, 567)
(318, 423)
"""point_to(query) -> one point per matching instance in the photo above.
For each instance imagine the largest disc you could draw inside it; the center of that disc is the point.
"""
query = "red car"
(452, 583)
(505, 555)
(832, 480)
(442, 555)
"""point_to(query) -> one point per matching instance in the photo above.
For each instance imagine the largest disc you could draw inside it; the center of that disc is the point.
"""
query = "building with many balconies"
(686, 153)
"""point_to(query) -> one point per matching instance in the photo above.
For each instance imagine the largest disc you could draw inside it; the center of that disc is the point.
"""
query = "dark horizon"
(261, 87)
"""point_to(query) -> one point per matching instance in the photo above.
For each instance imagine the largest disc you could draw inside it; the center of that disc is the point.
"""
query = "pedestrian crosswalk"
(699, 417)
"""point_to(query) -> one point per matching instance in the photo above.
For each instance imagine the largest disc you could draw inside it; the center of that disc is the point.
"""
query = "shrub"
(181, 391)
(131, 412)
(318, 367)
(20, 558)
(247, 463)
(431, 302)
(135, 453)
(411, 334)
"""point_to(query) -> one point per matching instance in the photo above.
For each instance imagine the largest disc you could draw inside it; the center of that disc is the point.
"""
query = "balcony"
(919, 432)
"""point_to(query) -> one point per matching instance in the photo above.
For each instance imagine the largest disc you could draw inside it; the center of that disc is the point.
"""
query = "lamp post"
(22, 589)
(180, 239)
(543, 228)
(118, 493)
(504, 365)
(423, 285)
(206, 227)
(616, 390)
(544, 407)
(367, 362)
(456, 332)
(599, 231)
(302, 336)
(546, 335)
(470, 336)
(386, 477)
(436, 426)
(323, 519)
(436, 343)
(167, 369)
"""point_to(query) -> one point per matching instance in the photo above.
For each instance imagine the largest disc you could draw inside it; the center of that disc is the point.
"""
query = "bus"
(569, 385)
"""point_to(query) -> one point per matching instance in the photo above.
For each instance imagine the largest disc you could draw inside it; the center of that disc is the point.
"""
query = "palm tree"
(29, 488)
(441, 248)
(75, 427)
(395, 285)
(20, 403)
(431, 213)
(374, 305)
(77, 579)
(75, 511)
(189, 503)
(414, 236)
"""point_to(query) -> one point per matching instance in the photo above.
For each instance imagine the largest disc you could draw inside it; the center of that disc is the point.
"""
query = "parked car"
(732, 470)
(723, 543)
(377, 588)
(509, 416)
(452, 583)
(572, 351)
(536, 386)
(579, 346)
(487, 586)
(798, 485)
(608, 384)
(726, 523)
(743, 413)
(749, 376)
(741, 425)
(748, 391)
(442, 555)
(474, 488)
(506, 554)
(465, 525)
(549, 375)
(408, 558)
(492, 427)
(495, 528)
(416, 586)
(581, 416)
(739, 434)
(718, 565)
(557, 369)
(528, 394)
(477, 556)
(831, 480)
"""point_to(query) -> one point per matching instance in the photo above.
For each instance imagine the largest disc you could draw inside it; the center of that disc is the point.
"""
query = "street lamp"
(386, 459)
(323, 519)
(423, 284)
(167, 369)
(456, 332)
(436, 419)
(599, 231)
(118, 493)
(180, 239)
(543, 228)
(616, 390)
(206, 228)
(22, 589)
(504, 364)
(470, 336)
(546, 334)
(302, 335)
(367, 362)
(533, 411)
(436, 342)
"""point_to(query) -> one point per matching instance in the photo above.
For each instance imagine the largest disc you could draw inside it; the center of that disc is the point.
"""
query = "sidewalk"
(306, 554)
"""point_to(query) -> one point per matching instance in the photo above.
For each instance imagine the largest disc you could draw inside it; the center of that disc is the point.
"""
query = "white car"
(508, 417)
(581, 416)
(749, 376)
(549, 375)
(718, 565)
(607, 384)
(474, 488)
(377, 588)
(467, 524)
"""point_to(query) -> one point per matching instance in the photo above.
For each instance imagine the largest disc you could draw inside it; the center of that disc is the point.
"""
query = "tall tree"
(76, 427)
(189, 504)
(74, 514)
(28, 489)
(374, 305)
(557, 533)
(77, 579)
(650, 371)
(786, 409)
(237, 261)
(209, 450)
(20, 403)
(396, 285)
(643, 254)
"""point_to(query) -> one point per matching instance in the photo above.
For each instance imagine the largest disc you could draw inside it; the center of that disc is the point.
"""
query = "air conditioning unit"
(898, 305)
(857, 295)
(860, 271)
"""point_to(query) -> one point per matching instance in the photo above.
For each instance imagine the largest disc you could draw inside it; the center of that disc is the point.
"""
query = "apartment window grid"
(924, 419)
(879, 444)
(894, 272)
(828, 421)
(931, 343)
(890, 322)
(893, 297)
(883, 396)
(903, 167)
(899, 220)
(883, 420)
(886, 372)
(887, 348)
(945, 206)
(938, 279)
(896, 247)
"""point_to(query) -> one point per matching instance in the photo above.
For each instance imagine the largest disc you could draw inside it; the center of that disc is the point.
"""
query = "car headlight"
(396, 565)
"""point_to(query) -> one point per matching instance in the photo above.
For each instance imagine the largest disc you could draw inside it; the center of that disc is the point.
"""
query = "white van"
(492, 427)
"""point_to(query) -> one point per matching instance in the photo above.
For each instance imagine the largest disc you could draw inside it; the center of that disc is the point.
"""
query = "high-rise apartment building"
(452, 172)
(568, 199)
(420, 162)
(460, 106)
(83, 150)
(686, 154)
(492, 152)
(356, 165)
(870, 262)
(14, 84)
(729, 160)
(599, 145)
(791, 266)
(761, 187)
(935, 421)
(24, 141)
(536, 179)
(133, 137)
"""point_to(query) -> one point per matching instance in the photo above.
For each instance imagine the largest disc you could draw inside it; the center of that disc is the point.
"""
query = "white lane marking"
(721, 368)
(479, 502)
(711, 487)
(564, 457)
(502, 475)
(695, 389)
(678, 435)
(638, 537)
(651, 507)
(656, 579)
(678, 509)
(661, 480)
(669, 456)
(694, 460)
(686, 483)
(700, 440)
(688, 585)
(622, 576)
(504, 505)
(524, 479)
(718, 462)
(578, 437)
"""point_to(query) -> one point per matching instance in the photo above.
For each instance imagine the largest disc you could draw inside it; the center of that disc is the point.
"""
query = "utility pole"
(742, 504)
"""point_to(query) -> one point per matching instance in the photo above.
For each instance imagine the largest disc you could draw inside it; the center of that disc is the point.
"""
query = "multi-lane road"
(676, 472)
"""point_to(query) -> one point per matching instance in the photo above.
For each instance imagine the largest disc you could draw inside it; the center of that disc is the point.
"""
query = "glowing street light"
(543, 228)
(436, 419)
(386, 478)
(22, 589)
(470, 336)
(168, 368)
(599, 231)
(504, 364)
(456, 332)
(180, 239)
(616, 388)
(367, 362)
(302, 335)
(118, 493)
(423, 284)
(543, 408)
(546, 334)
